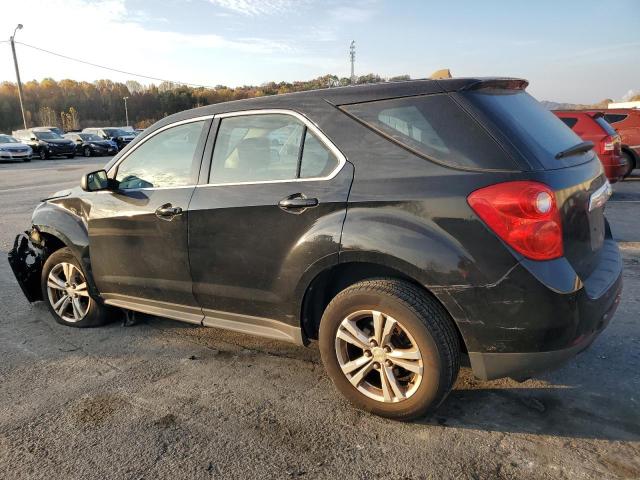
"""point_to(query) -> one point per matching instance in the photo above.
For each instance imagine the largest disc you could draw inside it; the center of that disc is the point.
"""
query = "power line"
(113, 69)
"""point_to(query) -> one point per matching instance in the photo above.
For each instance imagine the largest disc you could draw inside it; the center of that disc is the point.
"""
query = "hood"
(13, 145)
(57, 141)
(59, 194)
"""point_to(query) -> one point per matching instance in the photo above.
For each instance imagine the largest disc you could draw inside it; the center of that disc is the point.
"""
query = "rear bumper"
(595, 315)
(538, 315)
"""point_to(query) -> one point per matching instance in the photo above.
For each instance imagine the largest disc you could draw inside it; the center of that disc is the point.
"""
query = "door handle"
(297, 203)
(167, 211)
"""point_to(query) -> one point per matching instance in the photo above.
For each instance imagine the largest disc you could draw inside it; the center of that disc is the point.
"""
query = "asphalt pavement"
(162, 399)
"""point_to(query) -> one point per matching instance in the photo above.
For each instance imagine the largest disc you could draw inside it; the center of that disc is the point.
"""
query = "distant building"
(635, 104)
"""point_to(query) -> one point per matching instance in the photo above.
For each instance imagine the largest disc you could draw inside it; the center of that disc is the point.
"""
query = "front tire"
(42, 154)
(65, 290)
(86, 151)
(390, 348)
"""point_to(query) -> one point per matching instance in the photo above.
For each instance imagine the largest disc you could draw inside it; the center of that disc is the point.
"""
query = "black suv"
(402, 225)
(46, 143)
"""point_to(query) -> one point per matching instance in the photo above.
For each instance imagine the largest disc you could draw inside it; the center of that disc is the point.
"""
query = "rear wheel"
(389, 348)
(64, 288)
(628, 159)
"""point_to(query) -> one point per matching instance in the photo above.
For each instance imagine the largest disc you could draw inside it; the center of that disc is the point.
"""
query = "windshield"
(90, 137)
(115, 132)
(47, 135)
(533, 130)
(7, 139)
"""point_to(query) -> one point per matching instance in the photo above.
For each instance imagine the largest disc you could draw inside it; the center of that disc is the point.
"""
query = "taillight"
(610, 143)
(524, 214)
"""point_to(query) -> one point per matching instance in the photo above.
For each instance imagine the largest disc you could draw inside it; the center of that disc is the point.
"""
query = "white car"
(12, 149)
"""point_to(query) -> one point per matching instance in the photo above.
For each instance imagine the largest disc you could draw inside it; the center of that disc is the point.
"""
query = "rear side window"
(614, 117)
(433, 126)
(533, 129)
(569, 122)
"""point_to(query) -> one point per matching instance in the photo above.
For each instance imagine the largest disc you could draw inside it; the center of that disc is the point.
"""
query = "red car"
(626, 121)
(591, 126)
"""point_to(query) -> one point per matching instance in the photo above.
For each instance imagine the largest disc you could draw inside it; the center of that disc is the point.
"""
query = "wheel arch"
(333, 279)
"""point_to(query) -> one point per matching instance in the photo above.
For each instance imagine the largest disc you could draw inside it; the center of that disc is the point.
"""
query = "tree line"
(70, 104)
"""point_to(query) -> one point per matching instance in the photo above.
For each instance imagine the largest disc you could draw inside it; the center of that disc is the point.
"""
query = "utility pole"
(352, 56)
(126, 112)
(15, 63)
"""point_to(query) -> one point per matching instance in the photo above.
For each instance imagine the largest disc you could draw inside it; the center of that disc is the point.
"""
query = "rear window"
(569, 122)
(533, 129)
(606, 126)
(614, 117)
(435, 127)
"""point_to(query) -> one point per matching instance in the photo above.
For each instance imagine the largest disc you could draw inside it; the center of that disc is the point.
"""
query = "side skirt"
(258, 326)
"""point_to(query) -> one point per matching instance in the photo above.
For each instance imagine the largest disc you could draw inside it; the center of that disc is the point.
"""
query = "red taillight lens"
(523, 214)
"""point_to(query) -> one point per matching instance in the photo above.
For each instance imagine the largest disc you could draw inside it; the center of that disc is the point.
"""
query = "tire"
(420, 322)
(62, 264)
(42, 154)
(86, 151)
(73, 155)
(26, 160)
(630, 163)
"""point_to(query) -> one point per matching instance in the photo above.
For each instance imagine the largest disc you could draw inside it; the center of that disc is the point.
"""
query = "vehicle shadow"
(537, 407)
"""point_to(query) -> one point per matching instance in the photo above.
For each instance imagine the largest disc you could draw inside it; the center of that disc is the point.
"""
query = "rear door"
(271, 207)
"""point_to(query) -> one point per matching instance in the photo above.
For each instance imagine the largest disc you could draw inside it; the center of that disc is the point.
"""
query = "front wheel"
(64, 288)
(86, 151)
(390, 348)
(42, 154)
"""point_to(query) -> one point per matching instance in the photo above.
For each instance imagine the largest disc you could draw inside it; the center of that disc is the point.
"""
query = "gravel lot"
(163, 399)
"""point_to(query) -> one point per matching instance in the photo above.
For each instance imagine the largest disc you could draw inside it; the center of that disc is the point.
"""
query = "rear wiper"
(578, 148)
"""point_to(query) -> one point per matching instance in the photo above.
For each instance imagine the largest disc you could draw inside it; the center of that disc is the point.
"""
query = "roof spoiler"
(498, 83)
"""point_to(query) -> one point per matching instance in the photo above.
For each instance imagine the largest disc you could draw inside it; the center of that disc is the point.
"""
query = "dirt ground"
(162, 399)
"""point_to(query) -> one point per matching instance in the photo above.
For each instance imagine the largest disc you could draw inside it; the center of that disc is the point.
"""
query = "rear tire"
(65, 291)
(415, 332)
(630, 163)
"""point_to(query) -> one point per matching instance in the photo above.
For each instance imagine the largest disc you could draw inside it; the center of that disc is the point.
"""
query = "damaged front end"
(26, 260)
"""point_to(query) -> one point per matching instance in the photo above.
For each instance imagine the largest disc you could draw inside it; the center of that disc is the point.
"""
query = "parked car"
(594, 128)
(120, 137)
(45, 143)
(402, 225)
(12, 149)
(89, 144)
(626, 121)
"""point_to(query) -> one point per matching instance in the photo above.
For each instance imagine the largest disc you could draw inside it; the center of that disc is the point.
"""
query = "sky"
(570, 50)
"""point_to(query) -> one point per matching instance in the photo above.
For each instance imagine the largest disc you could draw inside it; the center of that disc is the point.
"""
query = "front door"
(138, 233)
(273, 206)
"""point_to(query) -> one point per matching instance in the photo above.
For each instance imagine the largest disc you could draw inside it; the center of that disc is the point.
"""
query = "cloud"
(257, 7)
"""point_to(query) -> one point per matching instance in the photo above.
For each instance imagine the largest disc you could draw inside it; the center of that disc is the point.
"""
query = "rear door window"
(435, 127)
(536, 132)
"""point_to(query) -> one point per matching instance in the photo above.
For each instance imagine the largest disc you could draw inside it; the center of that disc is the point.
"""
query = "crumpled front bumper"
(26, 260)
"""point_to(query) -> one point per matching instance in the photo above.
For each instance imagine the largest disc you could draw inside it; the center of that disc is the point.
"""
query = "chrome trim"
(153, 134)
(342, 160)
(598, 198)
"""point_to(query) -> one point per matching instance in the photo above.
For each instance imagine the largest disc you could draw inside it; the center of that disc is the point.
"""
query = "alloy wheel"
(379, 356)
(87, 152)
(68, 293)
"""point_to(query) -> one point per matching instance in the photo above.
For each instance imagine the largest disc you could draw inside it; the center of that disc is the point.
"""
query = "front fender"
(65, 219)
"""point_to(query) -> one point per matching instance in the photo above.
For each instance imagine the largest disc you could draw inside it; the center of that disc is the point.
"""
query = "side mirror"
(95, 181)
